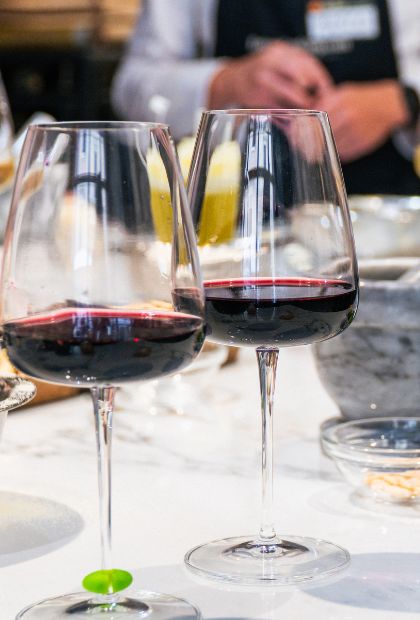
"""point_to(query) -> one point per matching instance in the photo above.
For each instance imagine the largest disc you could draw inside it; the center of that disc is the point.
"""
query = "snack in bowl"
(393, 486)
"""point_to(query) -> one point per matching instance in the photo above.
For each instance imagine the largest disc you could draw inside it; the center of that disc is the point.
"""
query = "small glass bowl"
(380, 457)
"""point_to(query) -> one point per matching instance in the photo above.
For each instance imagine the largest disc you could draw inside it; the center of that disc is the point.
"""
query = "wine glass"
(6, 136)
(7, 165)
(6, 140)
(100, 286)
(416, 154)
(279, 269)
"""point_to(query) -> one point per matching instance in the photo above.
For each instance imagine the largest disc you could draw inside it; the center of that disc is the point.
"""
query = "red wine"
(277, 311)
(95, 346)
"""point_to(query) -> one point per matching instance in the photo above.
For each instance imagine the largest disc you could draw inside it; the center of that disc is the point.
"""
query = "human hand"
(363, 115)
(280, 75)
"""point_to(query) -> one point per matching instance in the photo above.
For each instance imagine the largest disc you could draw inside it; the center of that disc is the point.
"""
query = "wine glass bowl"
(279, 269)
(6, 139)
(101, 286)
(7, 164)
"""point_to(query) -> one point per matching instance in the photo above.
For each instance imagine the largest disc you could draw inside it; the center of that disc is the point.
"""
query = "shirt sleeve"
(405, 23)
(161, 65)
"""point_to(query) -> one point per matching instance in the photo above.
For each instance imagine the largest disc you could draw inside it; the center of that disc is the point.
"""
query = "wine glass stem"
(103, 403)
(267, 363)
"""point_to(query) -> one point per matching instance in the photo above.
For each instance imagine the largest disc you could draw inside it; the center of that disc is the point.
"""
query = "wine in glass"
(279, 269)
(101, 286)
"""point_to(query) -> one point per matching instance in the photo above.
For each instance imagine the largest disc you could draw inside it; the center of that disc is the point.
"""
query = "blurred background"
(59, 57)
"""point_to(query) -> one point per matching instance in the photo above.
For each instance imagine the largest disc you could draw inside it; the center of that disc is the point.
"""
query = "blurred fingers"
(299, 67)
(284, 91)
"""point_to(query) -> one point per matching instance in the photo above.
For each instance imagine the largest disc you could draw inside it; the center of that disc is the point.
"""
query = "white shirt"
(162, 60)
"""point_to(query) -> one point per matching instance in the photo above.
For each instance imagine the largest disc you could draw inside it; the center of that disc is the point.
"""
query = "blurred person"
(359, 60)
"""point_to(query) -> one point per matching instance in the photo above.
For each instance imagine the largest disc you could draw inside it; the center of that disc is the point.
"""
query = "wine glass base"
(247, 561)
(147, 605)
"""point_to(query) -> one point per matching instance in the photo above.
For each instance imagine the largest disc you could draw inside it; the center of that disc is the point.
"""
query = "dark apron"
(245, 25)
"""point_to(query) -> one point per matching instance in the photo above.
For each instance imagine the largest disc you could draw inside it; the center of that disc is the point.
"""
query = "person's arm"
(405, 20)
(161, 60)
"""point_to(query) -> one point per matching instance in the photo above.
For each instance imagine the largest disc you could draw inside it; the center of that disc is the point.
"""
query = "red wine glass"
(100, 286)
(279, 269)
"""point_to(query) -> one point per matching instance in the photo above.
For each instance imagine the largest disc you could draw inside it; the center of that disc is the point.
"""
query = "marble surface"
(180, 480)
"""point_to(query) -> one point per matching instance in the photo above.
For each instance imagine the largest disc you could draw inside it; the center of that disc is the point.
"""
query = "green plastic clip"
(107, 581)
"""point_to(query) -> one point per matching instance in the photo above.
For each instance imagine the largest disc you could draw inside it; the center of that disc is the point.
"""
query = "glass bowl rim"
(360, 201)
(266, 112)
(340, 449)
(73, 126)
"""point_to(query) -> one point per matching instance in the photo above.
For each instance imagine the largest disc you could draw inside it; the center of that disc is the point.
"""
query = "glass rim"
(331, 439)
(73, 126)
(265, 112)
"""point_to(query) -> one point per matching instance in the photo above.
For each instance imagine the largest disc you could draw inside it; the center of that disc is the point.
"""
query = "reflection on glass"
(7, 167)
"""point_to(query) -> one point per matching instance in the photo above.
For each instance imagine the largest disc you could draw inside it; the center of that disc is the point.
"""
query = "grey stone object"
(373, 367)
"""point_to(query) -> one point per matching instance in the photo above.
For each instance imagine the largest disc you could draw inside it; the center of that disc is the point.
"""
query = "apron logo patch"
(342, 21)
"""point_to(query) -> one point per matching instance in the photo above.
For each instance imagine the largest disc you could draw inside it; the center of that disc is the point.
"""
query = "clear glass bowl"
(386, 226)
(380, 457)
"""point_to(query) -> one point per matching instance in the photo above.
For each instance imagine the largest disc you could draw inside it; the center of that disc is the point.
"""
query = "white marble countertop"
(180, 480)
